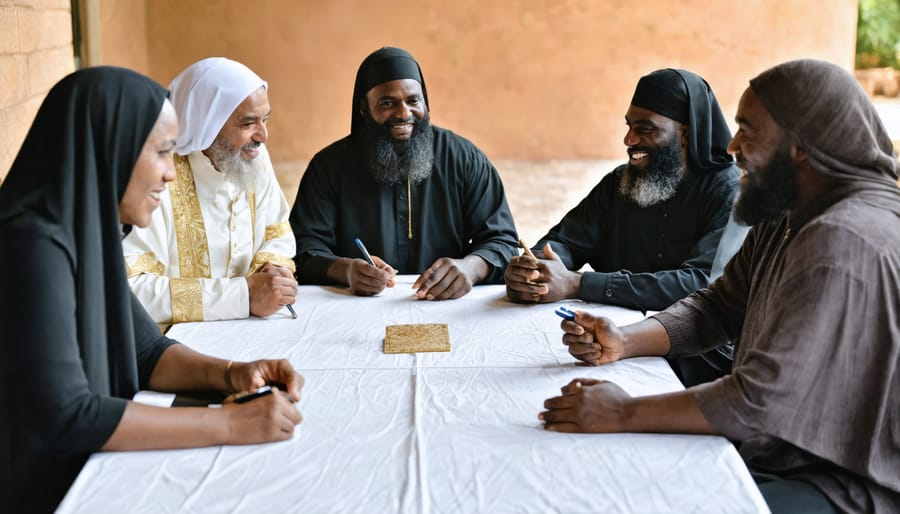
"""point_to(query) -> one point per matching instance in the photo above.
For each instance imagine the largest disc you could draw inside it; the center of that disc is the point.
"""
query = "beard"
(768, 193)
(659, 181)
(392, 161)
(227, 159)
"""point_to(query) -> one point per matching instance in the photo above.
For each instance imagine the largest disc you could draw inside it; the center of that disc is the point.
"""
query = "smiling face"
(246, 129)
(153, 169)
(762, 151)
(648, 133)
(397, 104)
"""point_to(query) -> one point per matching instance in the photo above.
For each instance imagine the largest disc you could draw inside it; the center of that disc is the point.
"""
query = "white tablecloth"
(438, 432)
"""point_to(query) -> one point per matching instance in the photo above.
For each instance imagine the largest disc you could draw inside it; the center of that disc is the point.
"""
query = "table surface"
(429, 432)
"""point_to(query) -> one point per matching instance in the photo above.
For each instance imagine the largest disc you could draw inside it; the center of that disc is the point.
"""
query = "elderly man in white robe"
(220, 245)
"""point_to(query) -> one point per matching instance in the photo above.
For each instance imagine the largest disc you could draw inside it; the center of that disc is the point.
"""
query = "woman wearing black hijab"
(75, 343)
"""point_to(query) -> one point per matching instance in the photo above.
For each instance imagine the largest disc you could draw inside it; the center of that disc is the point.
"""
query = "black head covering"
(686, 98)
(69, 178)
(383, 65)
(66, 184)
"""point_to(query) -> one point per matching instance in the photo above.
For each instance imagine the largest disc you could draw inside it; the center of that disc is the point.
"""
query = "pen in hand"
(262, 391)
(293, 313)
(364, 252)
(527, 250)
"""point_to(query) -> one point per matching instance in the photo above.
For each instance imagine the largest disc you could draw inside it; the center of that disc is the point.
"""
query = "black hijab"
(70, 176)
(686, 98)
(382, 65)
(66, 184)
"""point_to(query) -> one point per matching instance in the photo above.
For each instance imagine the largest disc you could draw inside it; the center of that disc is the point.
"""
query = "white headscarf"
(205, 95)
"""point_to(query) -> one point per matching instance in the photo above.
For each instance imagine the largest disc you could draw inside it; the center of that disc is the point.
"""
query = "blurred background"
(541, 86)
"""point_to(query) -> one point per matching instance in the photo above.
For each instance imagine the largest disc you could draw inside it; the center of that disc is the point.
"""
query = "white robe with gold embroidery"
(207, 235)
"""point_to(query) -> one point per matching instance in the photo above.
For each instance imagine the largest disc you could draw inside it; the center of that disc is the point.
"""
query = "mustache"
(253, 145)
(398, 121)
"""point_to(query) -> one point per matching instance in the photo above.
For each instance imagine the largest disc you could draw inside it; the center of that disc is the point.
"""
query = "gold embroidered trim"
(145, 263)
(251, 199)
(187, 299)
(278, 230)
(263, 257)
(193, 248)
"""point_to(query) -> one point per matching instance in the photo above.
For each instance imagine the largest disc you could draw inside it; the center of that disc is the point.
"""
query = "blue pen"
(365, 253)
(565, 313)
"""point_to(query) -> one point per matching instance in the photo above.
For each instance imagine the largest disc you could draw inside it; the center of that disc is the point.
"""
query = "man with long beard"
(651, 228)
(220, 245)
(811, 299)
(422, 199)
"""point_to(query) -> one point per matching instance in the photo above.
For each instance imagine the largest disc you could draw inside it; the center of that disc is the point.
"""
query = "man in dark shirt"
(649, 229)
(811, 299)
(422, 199)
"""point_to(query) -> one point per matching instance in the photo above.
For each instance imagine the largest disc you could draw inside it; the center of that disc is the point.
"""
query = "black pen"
(262, 391)
(291, 308)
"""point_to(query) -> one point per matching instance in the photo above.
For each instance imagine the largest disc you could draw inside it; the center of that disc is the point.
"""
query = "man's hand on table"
(593, 340)
(367, 280)
(588, 405)
(531, 280)
(449, 278)
(270, 288)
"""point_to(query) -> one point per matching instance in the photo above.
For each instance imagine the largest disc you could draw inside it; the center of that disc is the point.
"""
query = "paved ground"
(541, 192)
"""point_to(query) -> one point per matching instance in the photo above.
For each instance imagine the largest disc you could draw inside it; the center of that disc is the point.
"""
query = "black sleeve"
(149, 342)
(657, 290)
(580, 237)
(47, 394)
(488, 221)
(313, 220)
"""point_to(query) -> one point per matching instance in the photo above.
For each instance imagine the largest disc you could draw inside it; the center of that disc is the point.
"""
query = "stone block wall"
(35, 52)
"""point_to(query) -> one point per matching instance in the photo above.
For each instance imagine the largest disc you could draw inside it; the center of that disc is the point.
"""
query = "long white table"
(432, 432)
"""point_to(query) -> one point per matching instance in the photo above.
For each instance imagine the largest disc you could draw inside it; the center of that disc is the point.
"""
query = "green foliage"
(878, 34)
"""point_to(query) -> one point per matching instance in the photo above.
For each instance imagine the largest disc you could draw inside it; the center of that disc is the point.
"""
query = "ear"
(363, 107)
(799, 155)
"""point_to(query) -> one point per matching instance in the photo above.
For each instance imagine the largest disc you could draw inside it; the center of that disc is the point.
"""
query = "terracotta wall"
(35, 52)
(523, 79)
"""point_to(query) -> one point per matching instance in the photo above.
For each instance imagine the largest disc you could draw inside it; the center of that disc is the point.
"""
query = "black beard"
(391, 161)
(659, 181)
(768, 193)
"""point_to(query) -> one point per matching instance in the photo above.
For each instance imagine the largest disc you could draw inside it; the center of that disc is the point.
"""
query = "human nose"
(262, 134)
(169, 173)
(631, 138)
(733, 145)
(403, 111)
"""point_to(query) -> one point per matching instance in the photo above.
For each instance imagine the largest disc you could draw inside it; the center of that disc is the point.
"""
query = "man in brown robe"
(812, 300)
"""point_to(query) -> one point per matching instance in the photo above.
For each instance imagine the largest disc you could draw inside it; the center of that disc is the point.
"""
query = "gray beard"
(227, 160)
(648, 190)
(659, 182)
(392, 162)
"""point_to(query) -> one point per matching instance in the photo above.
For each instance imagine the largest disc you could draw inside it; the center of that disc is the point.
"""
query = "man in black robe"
(651, 228)
(422, 199)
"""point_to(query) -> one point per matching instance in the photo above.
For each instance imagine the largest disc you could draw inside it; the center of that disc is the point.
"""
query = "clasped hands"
(540, 280)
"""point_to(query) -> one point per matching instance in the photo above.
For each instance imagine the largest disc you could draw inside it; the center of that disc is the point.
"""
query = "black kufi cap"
(383, 65)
